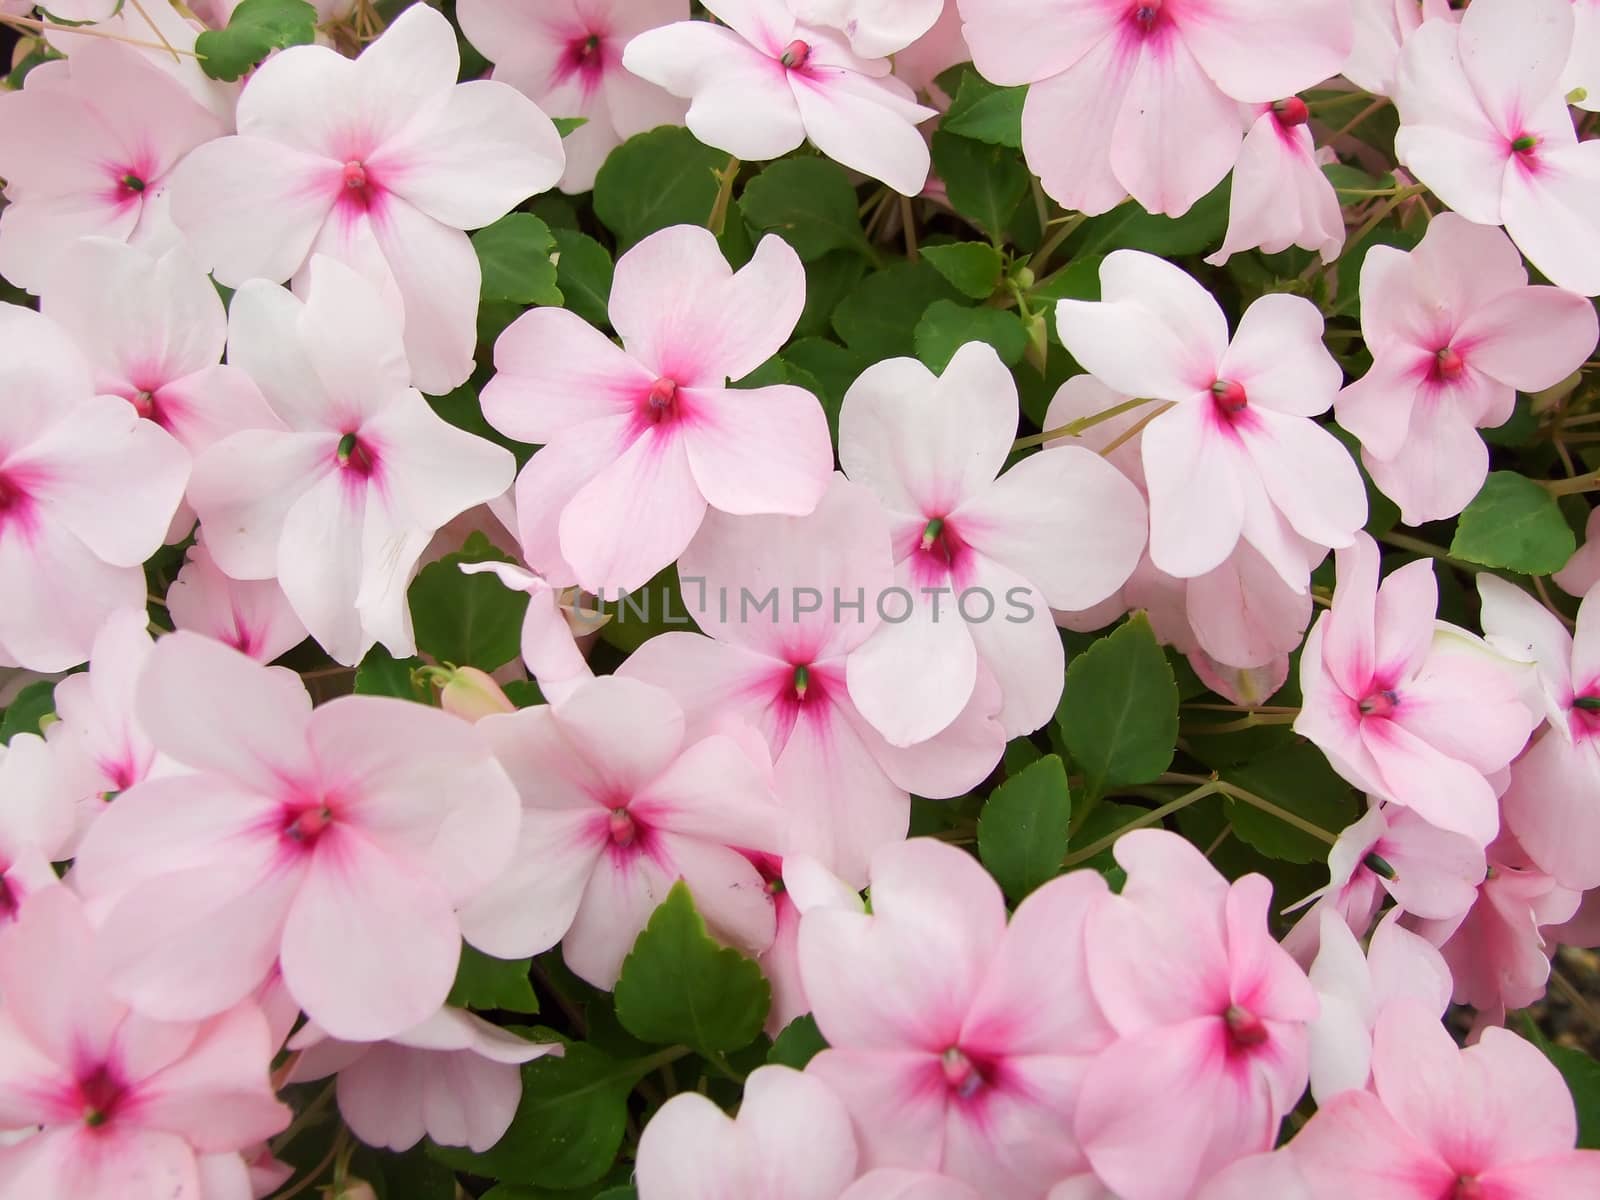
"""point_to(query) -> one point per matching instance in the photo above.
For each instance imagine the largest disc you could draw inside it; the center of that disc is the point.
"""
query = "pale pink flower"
(1549, 806)
(802, 884)
(1581, 80)
(638, 442)
(251, 615)
(1484, 123)
(1582, 571)
(980, 558)
(567, 56)
(875, 28)
(127, 1107)
(153, 329)
(301, 840)
(783, 668)
(1494, 1121)
(1238, 456)
(87, 148)
(381, 162)
(791, 1141)
(1353, 989)
(618, 804)
(340, 500)
(38, 819)
(1455, 333)
(1272, 1176)
(932, 54)
(1211, 1016)
(453, 1077)
(87, 490)
(897, 1183)
(550, 628)
(763, 82)
(958, 1042)
(1142, 96)
(1281, 197)
(1407, 708)
(1382, 27)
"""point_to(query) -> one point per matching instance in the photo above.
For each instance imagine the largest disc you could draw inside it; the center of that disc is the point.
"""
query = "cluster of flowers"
(241, 859)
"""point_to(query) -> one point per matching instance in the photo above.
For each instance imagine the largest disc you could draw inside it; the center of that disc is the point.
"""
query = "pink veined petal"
(1531, 338)
(433, 471)
(865, 124)
(1016, 1142)
(1378, 407)
(129, 1163)
(1230, 40)
(1196, 500)
(1513, 56)
(1572, 1173)
(1281, 197)
(1018, 642)
(587, 721)
(406, 72)
(350, 339)
(1553, 214)
(1071, 33)
(1403, 620)
(244, 487)
(266, 339)
(437, 273)
(692, 1149)
(54, 980)
(729, 892)
(550, 480)
(1443, 790)
(320, 564)
(713, 792)
(954, 761)
(44, 374)
(553, 372)
(1467, 701)
(1069, 125)
(617, 902)
(799, 1128)
(215, 1095)
(1438, 871)
(904, 1082)
(759, 450)
(203, 408)
(1438, 470)
(530, 905)
(710, 678)
(1308, 474)
(1350, 650)
(1438, 281)
(1278, 356)
(1244, 614)
(1548, 808)
(1354, 1147)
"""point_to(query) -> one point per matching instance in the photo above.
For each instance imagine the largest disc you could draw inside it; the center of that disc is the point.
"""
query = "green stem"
(1074, 428)
(1069, 226)
(719, 209)
(1577, 485)
(308, 1116)
(1150, 818)
(1272, 810)
(1402, 541)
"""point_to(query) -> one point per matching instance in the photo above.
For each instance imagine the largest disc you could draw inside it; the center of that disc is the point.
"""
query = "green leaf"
(973, 267)
(382, 674)
(568, 1126)
(833, 368)
(879, 318)
(515, 254)
(411, 1175)
(486, 983)
(808, 202)
(1515, 524)
(467, 620)
(947, 326)
(985, 183)
(678, 985)
(28, 709)
(797, 1043)
(1119, 710)
(1022, 835)
(1131, 227)
(1298, 779)
(1078, 280)
(986, 113)
(829, 280)
(583, 272)
(660, 178)
(255, 30)
(568, 125)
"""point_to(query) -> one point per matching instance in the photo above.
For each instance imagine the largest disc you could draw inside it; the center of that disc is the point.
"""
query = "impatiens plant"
(799, 600)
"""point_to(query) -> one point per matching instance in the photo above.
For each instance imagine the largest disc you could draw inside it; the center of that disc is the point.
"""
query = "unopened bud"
(1577, 95)
(1292, 111)
(795, 55)
(471, 695)
(1025, 277)
(351, 1189)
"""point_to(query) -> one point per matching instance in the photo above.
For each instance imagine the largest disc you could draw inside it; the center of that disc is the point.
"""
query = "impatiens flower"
(1280, 196)
(895, 1183)
(549, 628)
(609, 825)
(251, 615)
(1581, 80)
(1382, 27)
(567, 56)
(1455, 332)
(980, 557)
(876, 28)
(692, 1150)
(87, 490)
(1406, 708)
(1582, 571)
(340, 500)
(1550, 804)
(38, 817)
(802, 883)
(1484, 124)
(957, 1041)
(302, 840)
(1353, 989)
(784, 669)
(1237, 455)
(87, 148)
(452, 1077)
(127, 1107)
(638, 442)
(1142, 96)
(932, 54)
(381, 162)
(1211, 1017)
(1494, 1121)
(1275, 1175)
(763, 82)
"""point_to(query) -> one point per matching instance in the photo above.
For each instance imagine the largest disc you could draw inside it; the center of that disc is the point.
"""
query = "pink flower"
(1492, 1121)
(301, 840)
(1455, 332)
(763, 82)
(957, 1042)
(87, 148)
(617, 806)
(932, 54)
(1382, 27)
(804, 884)
(1211, 1016)
(567, 56)
(639, 441)
(37, 820)
(783, 668)
(791, 1141)
(1484, 124)
(126, 1106)
(1408, 709)
(68, 558)
(1550, 803)
(895, 1183)
(340, 500)
(1143, 96)
(1281, 197)
(549, 628)
(1238, 455)
(251, 615)
(980, 557)
(452, 1077)
(876, 28)
(380, 162)
(1581, 80)
(1582, 571)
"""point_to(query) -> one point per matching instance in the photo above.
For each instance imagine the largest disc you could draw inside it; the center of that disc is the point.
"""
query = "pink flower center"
(1291, 112)
(305, 825)
(99, 1093)
(796, 55)
(1525, 145)
(354, 456)
(1467, 1187)
(358, 190)
(662, 402)
(131, 184)
(1147, 15)
(963, 1076)
(355, 176)
(1448, 365)
(1246, 1031)
(15, 502)
(620, 825)
(802, 681)
(585, 49)
(8, 900)
(1380, 703)
(1229, 397)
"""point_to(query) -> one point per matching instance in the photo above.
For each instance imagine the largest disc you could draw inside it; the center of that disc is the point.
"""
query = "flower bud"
(351, 1189)
(470, 694)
